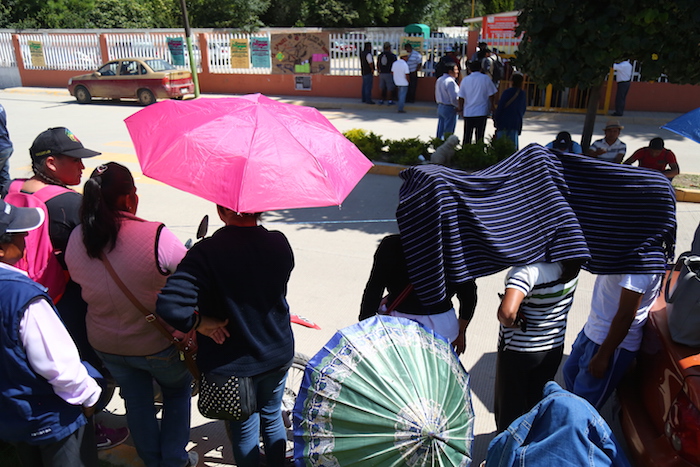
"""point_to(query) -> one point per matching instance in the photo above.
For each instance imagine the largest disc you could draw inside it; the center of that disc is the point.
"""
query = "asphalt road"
(333, 247)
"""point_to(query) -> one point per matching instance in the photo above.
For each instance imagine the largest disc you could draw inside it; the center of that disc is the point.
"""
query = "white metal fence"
(60, 51)
(81, 50)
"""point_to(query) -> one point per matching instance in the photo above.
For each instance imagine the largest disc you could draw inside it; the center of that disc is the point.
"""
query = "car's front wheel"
(146, 97)
(82, 95)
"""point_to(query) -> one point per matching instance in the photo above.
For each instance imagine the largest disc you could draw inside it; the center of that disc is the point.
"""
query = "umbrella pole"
(188, 40)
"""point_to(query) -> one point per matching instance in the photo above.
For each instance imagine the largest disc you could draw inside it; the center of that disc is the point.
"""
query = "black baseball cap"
(16, 220)
(59, 141)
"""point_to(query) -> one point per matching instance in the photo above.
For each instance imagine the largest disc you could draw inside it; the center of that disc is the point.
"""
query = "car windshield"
(159, 65)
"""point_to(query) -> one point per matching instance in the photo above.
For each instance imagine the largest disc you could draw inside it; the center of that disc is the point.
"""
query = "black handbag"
(223, 396)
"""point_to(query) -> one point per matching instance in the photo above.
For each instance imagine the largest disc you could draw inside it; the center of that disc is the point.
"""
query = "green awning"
(417, 28)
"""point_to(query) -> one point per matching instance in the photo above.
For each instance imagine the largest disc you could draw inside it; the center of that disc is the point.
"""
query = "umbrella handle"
(402, 296)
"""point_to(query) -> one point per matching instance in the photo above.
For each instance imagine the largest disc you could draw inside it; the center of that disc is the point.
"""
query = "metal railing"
(60, 51)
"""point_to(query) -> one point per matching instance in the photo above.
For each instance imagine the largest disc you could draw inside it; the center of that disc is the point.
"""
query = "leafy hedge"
(407, 151)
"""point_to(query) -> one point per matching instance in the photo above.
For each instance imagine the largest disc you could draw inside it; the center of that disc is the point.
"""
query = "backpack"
(39, 259)
(683, 301)
(497, 69)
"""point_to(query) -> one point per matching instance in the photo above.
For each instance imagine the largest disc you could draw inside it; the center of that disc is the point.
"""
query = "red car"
(145, 79)
(660, 398)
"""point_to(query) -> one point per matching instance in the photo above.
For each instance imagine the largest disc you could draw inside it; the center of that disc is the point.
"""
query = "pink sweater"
(114, 324)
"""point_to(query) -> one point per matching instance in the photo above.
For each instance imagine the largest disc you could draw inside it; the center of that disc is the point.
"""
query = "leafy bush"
(406, 151)
(500, 148)
(369, 144)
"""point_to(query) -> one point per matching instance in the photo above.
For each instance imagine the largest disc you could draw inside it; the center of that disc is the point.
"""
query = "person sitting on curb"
(48, 397)
(656, 157)
(610, 148)
(563, 142)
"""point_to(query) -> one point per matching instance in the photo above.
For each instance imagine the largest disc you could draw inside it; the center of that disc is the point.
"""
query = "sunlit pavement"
(333, 247)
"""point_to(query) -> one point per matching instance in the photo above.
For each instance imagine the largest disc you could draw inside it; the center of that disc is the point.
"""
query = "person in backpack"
(57, 162)
(46, 395)
(142, 255)
(508, 116)
(386, 77)
(492, 65)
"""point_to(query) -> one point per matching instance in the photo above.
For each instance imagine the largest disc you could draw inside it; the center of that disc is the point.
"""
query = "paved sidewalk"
(333, 247)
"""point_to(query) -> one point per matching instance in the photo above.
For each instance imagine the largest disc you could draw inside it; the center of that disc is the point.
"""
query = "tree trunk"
(591, 112)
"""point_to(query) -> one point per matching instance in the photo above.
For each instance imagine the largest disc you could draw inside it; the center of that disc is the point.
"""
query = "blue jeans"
(164, 445)
(5, 169)
(245, 436)
(510, 134)
(579, 381)
(447, 120)
(403, 90)
(367, 81)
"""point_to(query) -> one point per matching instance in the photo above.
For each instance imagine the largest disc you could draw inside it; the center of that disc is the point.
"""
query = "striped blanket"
(534, 206)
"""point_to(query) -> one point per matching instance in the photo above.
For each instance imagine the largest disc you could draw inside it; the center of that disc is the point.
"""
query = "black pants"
(471, 125)
(78, 449)
(622, 88)
(520, 379)
(412, 86)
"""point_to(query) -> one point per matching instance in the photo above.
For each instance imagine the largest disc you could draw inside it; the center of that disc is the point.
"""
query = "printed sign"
(260, 52)
(239, 53)
(499, 26)
(416, 43)
(300, 53)
(36, 54)
(176, 45)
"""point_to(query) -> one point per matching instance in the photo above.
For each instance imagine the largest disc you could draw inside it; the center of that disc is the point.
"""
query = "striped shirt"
(545, 308)
(535, 206)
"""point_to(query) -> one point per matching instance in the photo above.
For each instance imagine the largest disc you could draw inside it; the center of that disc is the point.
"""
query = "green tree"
(121, 14)
(570, 43)
(226, 13)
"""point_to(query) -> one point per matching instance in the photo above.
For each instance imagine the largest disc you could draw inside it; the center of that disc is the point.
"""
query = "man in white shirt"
(610, 148)
(611, 337)
(46, 391)
(415, 63)
(477, 95)
(446, 90)
(623, 76)
(400, 71)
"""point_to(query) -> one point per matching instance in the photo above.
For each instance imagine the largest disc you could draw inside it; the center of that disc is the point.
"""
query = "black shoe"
(402, 111)
(615, 114)
(370, 102)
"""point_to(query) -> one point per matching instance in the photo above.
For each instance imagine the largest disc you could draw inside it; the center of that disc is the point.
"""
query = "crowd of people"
(120, 275)
(90, 324)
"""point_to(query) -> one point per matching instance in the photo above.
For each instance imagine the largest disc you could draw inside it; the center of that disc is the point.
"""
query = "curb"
(688, 195)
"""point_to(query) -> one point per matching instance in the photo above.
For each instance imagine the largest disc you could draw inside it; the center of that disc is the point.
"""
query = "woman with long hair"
(142, 254)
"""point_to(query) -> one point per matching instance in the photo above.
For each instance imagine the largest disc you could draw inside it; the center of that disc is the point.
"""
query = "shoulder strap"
(16, 185)
(150, 317)
(512, 99)
(402, 296)
(50, 191)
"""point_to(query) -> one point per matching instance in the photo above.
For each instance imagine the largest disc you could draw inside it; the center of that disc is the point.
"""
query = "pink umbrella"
(249, 153)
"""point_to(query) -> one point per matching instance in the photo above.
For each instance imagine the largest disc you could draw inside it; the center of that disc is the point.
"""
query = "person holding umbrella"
(237, 279)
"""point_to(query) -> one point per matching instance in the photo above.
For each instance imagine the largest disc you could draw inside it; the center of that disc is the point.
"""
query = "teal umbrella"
(384, 392)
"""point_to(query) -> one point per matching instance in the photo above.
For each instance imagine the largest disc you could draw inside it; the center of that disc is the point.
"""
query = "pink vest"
(114, 324)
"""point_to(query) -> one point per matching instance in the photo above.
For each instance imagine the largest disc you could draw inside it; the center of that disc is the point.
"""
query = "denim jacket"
(563, 429)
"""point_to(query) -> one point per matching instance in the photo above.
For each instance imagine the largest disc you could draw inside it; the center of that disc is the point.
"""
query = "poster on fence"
(239, 53)
(36, 54)
(177, 50)
(416, 43)
(300, 53)
(260, 52)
